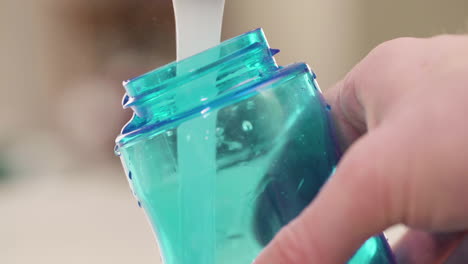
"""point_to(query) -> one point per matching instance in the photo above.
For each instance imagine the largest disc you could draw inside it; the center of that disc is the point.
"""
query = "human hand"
(403, 112)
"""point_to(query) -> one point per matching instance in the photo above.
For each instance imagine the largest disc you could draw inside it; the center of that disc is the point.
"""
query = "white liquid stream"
(198, 27)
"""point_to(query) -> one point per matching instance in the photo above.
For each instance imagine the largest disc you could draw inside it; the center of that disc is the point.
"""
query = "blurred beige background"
(63, 195)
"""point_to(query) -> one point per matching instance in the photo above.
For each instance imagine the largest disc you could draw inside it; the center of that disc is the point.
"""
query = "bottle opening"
(192, 67)
(179, 87)
(230, 64)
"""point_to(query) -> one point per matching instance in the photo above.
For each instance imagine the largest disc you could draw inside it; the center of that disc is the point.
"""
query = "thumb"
(354, 205)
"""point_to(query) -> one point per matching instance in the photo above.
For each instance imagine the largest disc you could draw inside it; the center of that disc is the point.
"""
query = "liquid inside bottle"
(272, 148)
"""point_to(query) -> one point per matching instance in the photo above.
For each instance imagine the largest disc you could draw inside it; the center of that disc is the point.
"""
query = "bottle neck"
(184, 86)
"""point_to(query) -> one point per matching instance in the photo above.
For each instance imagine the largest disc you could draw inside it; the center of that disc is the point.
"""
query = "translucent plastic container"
(225, 148)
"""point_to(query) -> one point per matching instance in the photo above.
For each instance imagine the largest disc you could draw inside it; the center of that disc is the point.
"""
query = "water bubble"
(206, 138)
(301, 138)
(234, 145)
(235, 236)
(250, 105)
(219, 131)
(300, 185)
(139, 204)
(130, 175)
(205, 111)
(170, 133)
(328, 107)
(117, 151)
(247, 126)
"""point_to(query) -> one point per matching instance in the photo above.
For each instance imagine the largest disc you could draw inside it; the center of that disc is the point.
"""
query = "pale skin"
(402, 113)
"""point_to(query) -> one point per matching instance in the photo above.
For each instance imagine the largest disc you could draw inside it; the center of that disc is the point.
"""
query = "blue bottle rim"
(240, 93)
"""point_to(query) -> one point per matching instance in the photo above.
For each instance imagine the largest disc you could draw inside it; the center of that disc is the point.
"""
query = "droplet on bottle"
(170, 133)
(130, 175)
(247, 126)
(328, 107)
(139, 204)
(117, 151)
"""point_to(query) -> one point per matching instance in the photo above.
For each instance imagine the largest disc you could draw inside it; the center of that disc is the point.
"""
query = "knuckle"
(393, 53)
(443, 37)
(383, 61)
(395, 46)
(389, 63)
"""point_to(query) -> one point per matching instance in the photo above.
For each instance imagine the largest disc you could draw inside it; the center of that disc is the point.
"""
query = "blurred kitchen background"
(63, 195)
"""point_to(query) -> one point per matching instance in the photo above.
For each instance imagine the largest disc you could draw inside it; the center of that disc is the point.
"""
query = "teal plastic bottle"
(225, 148)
